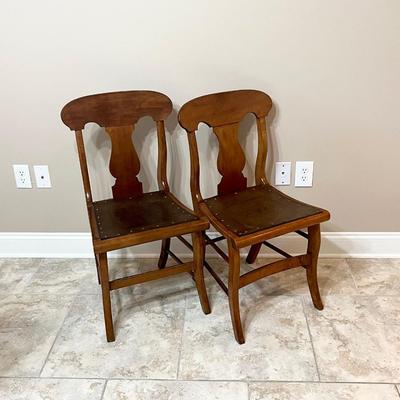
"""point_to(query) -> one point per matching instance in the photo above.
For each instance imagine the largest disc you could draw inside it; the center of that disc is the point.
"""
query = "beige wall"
(331, 67)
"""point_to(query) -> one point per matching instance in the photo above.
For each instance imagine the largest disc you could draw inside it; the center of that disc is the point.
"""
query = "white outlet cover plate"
(282, 173)
(42, 176)
(304, 173)
(22, 176)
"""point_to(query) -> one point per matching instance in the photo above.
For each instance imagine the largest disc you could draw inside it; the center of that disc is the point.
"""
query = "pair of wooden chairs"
(244, 216)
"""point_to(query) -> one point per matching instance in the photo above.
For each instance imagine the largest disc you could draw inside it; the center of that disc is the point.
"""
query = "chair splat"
(231, 159)
(124, 163)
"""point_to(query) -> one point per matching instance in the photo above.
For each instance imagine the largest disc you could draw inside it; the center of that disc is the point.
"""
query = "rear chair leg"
(162, 261)
(198, 263)
(96, 257)
(233, 291)
(253, 253)
(314, 243)
(105, 288)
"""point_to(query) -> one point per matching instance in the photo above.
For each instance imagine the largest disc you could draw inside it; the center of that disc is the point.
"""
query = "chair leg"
(253, 253)
(162, 261)
(314, 243)
(105, 288)
(198, 264)
(233, 291)
(96, 257)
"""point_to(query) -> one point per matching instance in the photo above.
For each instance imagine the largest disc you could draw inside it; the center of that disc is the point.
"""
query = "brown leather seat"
(148, 211)
(258, 208)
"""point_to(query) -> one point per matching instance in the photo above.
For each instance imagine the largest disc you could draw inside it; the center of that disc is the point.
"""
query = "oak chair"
(132, 217)
(247, 216)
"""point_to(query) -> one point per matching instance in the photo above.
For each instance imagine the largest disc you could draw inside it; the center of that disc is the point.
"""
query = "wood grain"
(116, 109)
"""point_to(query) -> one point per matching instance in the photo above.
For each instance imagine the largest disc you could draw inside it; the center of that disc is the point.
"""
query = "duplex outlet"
(22, 176)
(304, 174)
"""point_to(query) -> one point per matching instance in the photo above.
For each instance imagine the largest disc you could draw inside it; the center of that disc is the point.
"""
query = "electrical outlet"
(282, 173)
(42, 176)
(22, 176)
(304, 173)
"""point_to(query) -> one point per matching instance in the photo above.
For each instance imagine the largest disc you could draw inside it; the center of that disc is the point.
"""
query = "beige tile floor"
(52, 343)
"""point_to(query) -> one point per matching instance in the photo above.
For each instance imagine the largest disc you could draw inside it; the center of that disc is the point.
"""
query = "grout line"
(27, 292)
(326, 382)
(181, 341)
(397, 389)
(248, 381)
(104, 389)
(58, 333)
(311, 340)
(55, 378)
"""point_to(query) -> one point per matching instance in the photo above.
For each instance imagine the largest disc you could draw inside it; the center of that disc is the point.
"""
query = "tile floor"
(52, 343)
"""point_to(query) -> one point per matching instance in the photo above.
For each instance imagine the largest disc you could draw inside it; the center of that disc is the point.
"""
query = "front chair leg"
(253, 253)
(314, 243)
(105, 288)
(198, 263)
(233, 291)
(162, 261)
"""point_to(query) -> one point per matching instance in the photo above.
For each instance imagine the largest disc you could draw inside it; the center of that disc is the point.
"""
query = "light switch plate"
(282, 173)
(304, 173)
(42, 176)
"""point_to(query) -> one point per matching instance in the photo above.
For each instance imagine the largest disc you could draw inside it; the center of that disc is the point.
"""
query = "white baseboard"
(78, 245)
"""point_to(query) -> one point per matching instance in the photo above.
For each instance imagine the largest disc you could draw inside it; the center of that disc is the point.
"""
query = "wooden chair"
(247, 216)
(132, 217)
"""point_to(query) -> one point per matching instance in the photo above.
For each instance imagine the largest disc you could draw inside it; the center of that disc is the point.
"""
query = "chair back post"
(262, 151)
(84, 168)
(162, 157)
(86, 182)
(194, 172)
